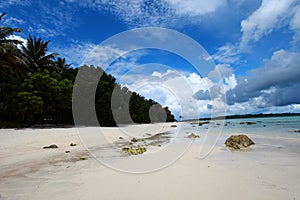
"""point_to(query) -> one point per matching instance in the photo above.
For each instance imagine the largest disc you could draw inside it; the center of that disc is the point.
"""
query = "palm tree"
(61, 65)
(35, 54)
(11, 61)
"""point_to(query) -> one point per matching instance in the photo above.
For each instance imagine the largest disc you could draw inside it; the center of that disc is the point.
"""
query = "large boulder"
(238, 142)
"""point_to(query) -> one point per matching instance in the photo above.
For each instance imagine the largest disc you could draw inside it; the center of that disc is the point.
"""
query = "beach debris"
(202, 123)
(238, 142)
(52, 146)
(193, 136)
(134, 150)
(133, 140)
(173, 126)
(73, 144)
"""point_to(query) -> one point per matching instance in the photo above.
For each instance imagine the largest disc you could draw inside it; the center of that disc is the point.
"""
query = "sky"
(251, 48)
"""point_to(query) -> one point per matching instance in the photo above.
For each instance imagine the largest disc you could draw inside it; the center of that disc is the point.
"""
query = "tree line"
(36, 87)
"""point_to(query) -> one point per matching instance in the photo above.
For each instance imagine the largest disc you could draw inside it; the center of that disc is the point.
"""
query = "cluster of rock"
(134, 150)
(238, 142)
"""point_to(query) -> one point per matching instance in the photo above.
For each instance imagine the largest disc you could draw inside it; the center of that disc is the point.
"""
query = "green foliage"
(44, 96)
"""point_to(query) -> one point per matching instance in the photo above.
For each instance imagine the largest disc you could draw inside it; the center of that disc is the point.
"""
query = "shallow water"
(269, 134)
(268, 126)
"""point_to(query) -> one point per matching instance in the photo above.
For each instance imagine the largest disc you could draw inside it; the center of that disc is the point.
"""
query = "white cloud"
(227, 53)
(221, 71)
(271, 15)
(16, 37)
(8, 3)
(230, 82)
(75, 53)
(171, 88)
(295, 23)
(165, 13)
(12, 21)
(195, 7)
(160, 75)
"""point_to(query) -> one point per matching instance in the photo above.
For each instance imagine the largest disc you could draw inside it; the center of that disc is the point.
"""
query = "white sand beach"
(268, 171)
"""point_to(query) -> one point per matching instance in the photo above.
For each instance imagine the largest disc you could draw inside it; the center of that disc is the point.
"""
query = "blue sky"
(255, 45)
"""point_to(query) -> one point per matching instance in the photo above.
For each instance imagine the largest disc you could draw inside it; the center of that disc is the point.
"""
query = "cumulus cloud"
(171, 88)
(271, 15)
(221, 70)
(274, 84)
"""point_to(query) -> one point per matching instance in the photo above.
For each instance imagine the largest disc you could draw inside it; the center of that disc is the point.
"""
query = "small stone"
(73, 144)
(173, 126)
(52, 146)
(193, 136)
(67, 151)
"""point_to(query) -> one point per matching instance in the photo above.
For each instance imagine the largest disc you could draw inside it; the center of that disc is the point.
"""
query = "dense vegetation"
(36, 87)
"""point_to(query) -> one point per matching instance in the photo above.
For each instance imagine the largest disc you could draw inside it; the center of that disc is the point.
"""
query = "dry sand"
(270, 170)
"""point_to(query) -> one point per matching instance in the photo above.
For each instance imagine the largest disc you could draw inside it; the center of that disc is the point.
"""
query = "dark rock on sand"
(193, 136)
(238, 142)
(73, 144)
(52, 146)
(202, 123)
(297, 131)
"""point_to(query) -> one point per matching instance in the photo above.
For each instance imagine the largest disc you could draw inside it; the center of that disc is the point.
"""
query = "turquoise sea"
(269, 133)
(267, 126)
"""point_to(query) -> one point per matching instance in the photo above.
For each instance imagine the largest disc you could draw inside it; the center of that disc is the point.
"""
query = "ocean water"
(267, 126)
(269, 134)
